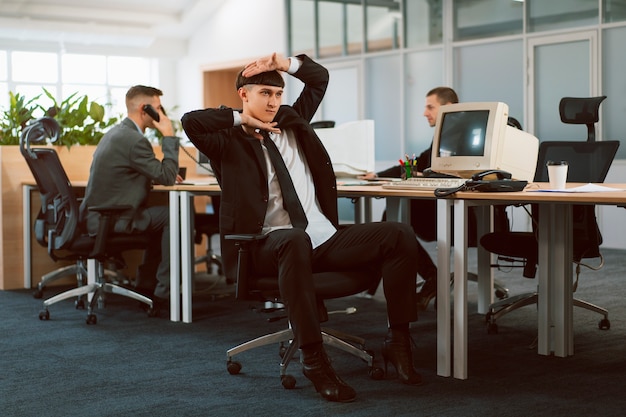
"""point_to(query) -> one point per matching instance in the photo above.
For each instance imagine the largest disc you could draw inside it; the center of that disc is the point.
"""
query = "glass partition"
(551, 15)
(384, 25)
(476, 19)
(614, 10)
(423, 23)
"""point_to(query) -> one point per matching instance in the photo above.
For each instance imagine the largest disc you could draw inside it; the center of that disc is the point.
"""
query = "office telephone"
(481, 182)
(503, 182)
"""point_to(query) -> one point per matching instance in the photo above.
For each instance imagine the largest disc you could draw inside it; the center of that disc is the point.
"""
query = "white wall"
(240, 31)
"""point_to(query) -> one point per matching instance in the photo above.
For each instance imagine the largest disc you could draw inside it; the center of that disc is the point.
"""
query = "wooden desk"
(555, 308)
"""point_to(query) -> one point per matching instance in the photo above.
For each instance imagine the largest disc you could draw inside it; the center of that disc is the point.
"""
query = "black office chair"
(58, 228)
(588, 162)
(323, 124)
(328, 285)
(207, 224)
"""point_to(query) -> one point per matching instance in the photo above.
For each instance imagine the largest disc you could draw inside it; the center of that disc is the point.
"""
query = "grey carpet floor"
(131, 365)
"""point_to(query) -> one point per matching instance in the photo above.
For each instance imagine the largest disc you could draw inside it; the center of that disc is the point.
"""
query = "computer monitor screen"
(203, 166)
(350, 147)
(475, 137)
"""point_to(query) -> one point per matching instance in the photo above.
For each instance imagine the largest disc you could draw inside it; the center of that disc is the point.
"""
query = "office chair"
(59, 229)
(588, 162)
(328, 285)
(323, 124)
(207, 224)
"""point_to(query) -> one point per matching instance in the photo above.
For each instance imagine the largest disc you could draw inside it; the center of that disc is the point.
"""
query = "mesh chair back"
(57, 224)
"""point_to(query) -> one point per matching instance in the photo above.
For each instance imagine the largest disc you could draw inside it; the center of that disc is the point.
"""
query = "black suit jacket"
(239, 164)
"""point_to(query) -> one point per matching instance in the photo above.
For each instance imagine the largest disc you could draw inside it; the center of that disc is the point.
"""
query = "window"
(476, 19)
(614, 10)
(104, 79)
(423, 22)
(550, 15)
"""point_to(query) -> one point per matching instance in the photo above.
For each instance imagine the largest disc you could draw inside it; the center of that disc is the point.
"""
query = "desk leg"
(174, 197)
(555, 301)
(397, 209)
(186, 252)
(26, 209)
(485, 272)
(444, 337)
(460, 289)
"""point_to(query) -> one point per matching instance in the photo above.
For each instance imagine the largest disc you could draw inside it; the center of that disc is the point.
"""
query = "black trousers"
(390, 246)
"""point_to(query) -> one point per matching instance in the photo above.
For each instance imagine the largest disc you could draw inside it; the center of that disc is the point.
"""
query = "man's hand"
(164, 125)
(367, 176)
(268, 63)
(251, 125)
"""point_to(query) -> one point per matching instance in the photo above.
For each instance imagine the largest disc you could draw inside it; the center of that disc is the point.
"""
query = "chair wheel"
(79, 304)
(604, 324)
(91, 319)
(492, 328)
(38, 293)
(233, 367)
(153, 312)
(376, 373)
(282, 350)
(288, 381)
(44, 315)
(501, 295)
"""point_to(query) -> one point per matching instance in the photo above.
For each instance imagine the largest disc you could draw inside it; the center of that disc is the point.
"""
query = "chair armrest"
(105, 227)
(245, 237)
(242, 240)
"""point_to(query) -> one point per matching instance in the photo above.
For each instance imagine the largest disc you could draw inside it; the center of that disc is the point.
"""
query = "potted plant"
(82, 122)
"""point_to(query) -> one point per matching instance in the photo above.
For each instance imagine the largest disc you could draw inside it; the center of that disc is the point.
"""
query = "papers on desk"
(587, 188)
(356, 181)
(200, 181)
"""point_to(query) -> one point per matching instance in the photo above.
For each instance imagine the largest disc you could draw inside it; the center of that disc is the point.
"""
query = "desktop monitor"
(203, 166)
(475, 137)
(350, 147)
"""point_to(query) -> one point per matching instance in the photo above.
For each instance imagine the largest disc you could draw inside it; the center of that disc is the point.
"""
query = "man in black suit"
(424, 212)
(253, 202)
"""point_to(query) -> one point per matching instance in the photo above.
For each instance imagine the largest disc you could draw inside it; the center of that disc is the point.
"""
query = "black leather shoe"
(316, 367)
(397, 350)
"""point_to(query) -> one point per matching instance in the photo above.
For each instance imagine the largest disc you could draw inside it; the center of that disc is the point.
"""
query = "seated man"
(424, 212)
(289, 192)
(123, 169)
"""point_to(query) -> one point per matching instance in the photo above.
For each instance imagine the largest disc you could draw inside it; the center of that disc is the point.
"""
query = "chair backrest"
(57, 224)
(581, 111)
(588, 161)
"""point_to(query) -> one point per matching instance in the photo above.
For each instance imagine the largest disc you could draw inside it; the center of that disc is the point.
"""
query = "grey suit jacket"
(123, 169)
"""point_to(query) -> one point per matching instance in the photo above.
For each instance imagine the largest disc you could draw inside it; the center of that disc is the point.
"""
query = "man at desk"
(424, 212)
(258, 156)
(123, 169)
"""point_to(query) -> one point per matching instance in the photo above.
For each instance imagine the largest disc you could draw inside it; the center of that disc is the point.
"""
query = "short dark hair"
(444, 94)
(142, 90)
(273, 78)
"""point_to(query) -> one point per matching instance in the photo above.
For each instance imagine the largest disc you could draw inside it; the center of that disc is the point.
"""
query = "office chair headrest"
(582, 111)
(39, 131)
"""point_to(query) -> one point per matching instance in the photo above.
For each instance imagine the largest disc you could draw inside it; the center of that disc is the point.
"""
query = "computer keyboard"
(426, 183)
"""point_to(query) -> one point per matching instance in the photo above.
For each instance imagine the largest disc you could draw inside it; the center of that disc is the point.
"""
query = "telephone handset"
(151, 111)
(500, 175)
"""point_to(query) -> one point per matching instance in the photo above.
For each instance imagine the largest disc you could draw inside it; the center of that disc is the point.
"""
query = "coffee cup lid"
(556, 163)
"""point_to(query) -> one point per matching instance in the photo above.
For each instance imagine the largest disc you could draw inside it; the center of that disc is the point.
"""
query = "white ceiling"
(108, 22)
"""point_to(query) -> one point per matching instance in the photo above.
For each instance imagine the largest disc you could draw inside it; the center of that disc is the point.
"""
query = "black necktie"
(290, 198)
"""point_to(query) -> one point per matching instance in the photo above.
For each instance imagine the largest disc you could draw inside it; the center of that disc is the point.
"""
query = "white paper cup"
(557, 174)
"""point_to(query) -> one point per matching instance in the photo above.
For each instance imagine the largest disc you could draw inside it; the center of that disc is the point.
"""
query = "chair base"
(503, 307)
(97, 291)
(347, 343)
